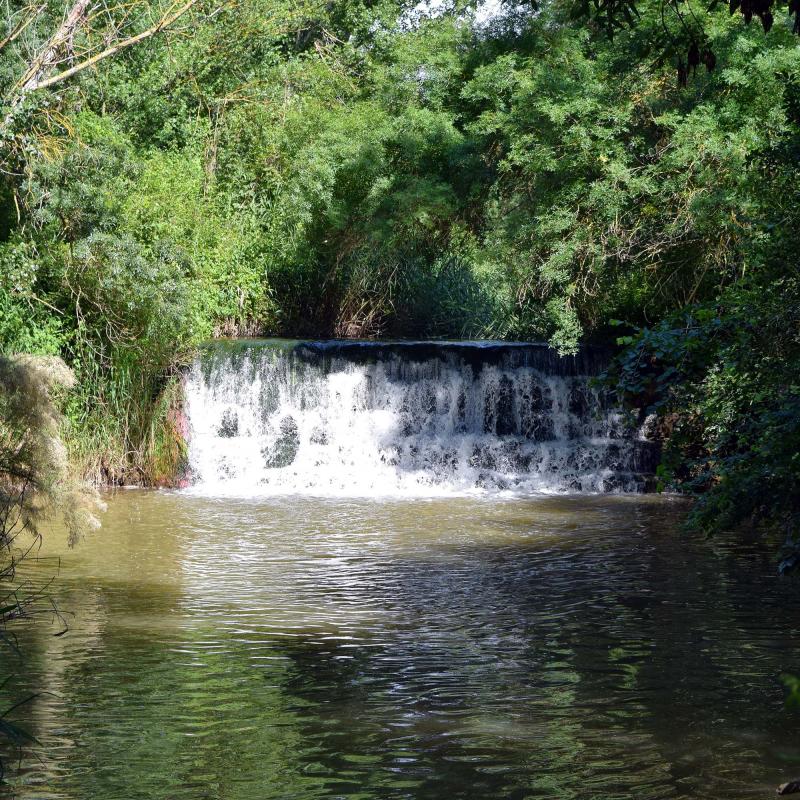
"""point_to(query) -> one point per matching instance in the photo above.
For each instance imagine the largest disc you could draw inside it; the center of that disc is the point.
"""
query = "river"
(406, 570)
(295, 647)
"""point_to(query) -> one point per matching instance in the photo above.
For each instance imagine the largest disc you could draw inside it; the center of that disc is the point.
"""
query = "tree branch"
(48, 54)
(20, 27)
(165, 21)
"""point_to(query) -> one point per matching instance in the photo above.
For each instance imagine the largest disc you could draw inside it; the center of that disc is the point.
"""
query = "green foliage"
(725, 380)
(27, 325)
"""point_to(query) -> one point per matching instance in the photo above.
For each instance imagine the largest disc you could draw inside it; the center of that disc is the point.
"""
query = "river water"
(487, 647)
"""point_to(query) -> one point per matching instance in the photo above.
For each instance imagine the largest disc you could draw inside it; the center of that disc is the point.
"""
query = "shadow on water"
(564, 648)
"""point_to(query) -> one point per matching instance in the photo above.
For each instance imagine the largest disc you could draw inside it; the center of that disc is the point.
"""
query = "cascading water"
(410, 418)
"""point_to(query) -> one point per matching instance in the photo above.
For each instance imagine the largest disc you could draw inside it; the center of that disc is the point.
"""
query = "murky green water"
(559, 648)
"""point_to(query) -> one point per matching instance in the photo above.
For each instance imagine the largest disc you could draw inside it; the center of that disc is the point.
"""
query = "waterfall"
(405, 419)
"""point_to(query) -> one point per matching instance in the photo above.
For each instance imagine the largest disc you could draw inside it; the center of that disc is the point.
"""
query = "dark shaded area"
(590, 360)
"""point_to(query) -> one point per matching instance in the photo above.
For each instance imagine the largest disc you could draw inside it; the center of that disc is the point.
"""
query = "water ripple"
(542, 648)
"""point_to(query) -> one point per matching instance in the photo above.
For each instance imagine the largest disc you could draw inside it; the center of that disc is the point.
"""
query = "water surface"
(554, 647)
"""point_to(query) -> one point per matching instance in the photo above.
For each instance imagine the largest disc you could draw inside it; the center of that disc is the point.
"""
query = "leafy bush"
(725, 382)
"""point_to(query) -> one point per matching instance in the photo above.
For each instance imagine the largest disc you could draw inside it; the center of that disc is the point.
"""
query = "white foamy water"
(336, 419)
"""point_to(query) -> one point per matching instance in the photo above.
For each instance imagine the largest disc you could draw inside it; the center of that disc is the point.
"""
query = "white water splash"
(264, 421)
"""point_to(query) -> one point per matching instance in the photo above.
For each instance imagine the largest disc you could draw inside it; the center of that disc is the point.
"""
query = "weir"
(345, 418)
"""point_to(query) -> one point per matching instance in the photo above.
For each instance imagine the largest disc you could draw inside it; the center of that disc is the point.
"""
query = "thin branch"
(48, 54)
(21, 26)
(165, 21)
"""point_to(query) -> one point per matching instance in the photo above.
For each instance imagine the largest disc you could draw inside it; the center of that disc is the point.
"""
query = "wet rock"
(442, 463)
(649, 429)
(390, 458)
(535, 411)
(284, 451)
(506, 423)
(428, 401)
(494, 482)
(229, 425)
(578, 401)
(603, 399)
(647, 484)
(483, 458)
(646, 456)
(612, 459)
(535, 398)
(461, 411)
(319, 436)
(540, 428)
(611, 483)
(574, 483)
(513, 458)
(410, 419)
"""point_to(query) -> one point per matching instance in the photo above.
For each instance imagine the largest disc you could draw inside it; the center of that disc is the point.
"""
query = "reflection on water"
(298, 648)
